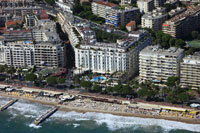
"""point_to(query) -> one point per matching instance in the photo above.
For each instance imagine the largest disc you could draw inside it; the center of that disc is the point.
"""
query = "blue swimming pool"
(98, 78)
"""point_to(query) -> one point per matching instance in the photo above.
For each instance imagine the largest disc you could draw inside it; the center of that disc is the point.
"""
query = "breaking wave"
(113, 122)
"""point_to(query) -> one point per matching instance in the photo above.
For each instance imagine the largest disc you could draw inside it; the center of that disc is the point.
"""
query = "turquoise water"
(19, 118)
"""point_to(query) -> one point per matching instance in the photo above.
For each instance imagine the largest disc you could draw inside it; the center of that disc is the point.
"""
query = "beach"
(87, 105)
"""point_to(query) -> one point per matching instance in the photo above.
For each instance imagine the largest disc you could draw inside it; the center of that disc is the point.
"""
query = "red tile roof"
(106, 3)
(9, 23)
(131, 23)
(43, 15)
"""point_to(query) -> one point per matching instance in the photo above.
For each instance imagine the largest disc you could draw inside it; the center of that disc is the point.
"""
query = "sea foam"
(113, 122)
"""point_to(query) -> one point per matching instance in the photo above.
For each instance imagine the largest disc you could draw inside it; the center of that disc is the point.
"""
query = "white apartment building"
(27, 54)
(145, 5)
(100, 8)
(17, 54)
(126, 2)
(66, 6)
(101, 57)
(156, 64)
(49, 55)
(154, 19)
(190, 71)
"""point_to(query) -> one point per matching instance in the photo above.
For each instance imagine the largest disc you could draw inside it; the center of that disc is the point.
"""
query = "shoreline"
(67, 108)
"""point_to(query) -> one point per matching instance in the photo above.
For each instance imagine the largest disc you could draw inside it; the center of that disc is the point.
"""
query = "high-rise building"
(145, 5)
(113, 15)
(190, 71)
(159, 3)
(126, 2)
(100, 8)
(154, 19)
(183, 24)
(156, 64)
(101, 57)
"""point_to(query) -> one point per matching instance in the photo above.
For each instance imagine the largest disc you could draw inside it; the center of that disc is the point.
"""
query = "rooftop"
(191, 10)
(157, 50)
(106, 3)
(131, 23)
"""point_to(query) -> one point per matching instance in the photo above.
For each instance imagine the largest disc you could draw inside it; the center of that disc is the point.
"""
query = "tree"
(126, 89)
(50, 2)
(96, 88)
(30, 77)
(10, 70)
(86, 84)
(171, 81)
(183, 97)
(2, 68)
(51, 80)
(172, 41)
(194, 34)
(61, 80)
(109, 89)
(179, 43)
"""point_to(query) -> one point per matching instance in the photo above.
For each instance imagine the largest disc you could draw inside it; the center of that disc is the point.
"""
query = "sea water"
(19, 119)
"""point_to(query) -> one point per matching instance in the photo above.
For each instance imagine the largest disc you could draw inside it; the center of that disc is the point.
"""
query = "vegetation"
(51, 80)
(103, 36)
(86, 84)
(166, 40)
(30, 77)
(168, 7)
(85, 11)
(50, 2)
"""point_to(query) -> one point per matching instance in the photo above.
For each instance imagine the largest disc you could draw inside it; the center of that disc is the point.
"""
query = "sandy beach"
(73, 107)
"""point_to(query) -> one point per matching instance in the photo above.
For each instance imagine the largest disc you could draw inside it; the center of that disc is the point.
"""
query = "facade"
(154, 20)
(68, 7)
(156, 64)
(31, 21)
(100, 8)
(101, 57)
(121, 17)
(113, 15)
(49, 55)
(159, 3)
(183, 24)
(19, 54)
(126, 2)
(190, 71)
(27, 54)
(145, 5)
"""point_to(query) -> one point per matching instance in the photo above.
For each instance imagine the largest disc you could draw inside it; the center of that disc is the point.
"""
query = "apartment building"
(31, 20)
(183, 24)
(121, 17)
(190, 71)
(159, 3)
(156, 64)
(19, 54)
(100, 8)
(27, 54)
(49, 55)
(101, 57)
(145, 5)
(126, 2)
(113, 15)
(154, 19)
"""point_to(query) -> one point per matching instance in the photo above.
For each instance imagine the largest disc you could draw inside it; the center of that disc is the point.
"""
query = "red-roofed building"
(11, 23)
(81, 1)
(131, 26)
(44, 15)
